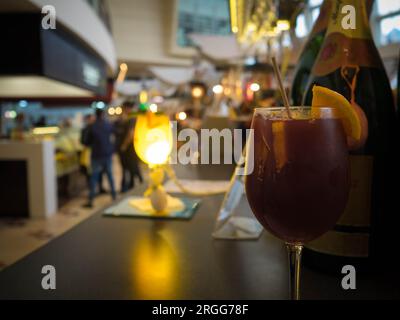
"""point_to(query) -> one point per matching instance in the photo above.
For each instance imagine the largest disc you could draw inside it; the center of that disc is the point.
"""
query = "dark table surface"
(128, 258)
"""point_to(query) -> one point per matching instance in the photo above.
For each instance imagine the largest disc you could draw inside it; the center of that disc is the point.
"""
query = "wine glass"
(300, 183)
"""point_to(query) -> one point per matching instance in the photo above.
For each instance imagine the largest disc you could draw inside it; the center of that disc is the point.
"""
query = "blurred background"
(205, 63)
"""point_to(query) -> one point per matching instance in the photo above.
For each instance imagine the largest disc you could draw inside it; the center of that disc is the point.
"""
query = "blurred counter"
(28, 187)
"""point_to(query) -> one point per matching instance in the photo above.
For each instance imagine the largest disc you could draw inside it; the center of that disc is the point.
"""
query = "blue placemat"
(124, 209)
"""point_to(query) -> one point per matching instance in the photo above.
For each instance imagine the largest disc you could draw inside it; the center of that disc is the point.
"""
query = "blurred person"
(98, 138)
(42, 122)
(126, 152)
(84, 158)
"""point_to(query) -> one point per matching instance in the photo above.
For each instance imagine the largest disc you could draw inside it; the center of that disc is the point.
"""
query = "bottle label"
(351, 235)
(358, 211)
(354, 245)
(339, 50)
(348, 40)
(350, 19)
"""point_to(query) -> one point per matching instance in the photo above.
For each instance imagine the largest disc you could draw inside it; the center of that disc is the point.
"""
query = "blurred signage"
(91, 74)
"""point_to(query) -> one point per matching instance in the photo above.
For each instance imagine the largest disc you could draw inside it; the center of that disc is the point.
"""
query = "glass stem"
(294, 255)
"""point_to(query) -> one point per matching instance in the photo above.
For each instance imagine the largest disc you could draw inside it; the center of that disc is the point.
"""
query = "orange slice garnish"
(353, 118)
(279, 144)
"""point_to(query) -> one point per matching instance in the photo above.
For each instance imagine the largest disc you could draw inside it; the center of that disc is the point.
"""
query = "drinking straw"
(281, 87)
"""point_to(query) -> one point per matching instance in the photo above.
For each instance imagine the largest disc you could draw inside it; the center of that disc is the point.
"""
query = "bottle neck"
(322, 22)
(350, 18)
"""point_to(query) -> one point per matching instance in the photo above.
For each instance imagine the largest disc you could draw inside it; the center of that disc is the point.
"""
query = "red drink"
(300, 182)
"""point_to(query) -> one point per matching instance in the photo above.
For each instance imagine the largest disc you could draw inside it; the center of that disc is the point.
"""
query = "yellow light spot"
(283, 25)
(227, 91)
(143, 96)
(153, 138)
(118, 110)
(233, 6)
(155, 268)
(197, 92)
(123, 67)
(158, 152)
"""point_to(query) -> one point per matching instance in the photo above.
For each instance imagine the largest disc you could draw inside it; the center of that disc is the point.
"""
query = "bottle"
(398, 87)
(309, 54)
(311, 51)
(349, 63)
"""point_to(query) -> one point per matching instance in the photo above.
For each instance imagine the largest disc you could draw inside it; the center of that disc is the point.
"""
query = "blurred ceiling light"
(118, 110)
(111, 111)
(218, 89)
(182, 115)
(123, 67)
(100, 105)
(283, 25)
(23, 103)
(46, 130)
(250, 20)
(153, 108)
(234, 6)
(254, 87)
(197, 92)
(249, 61)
